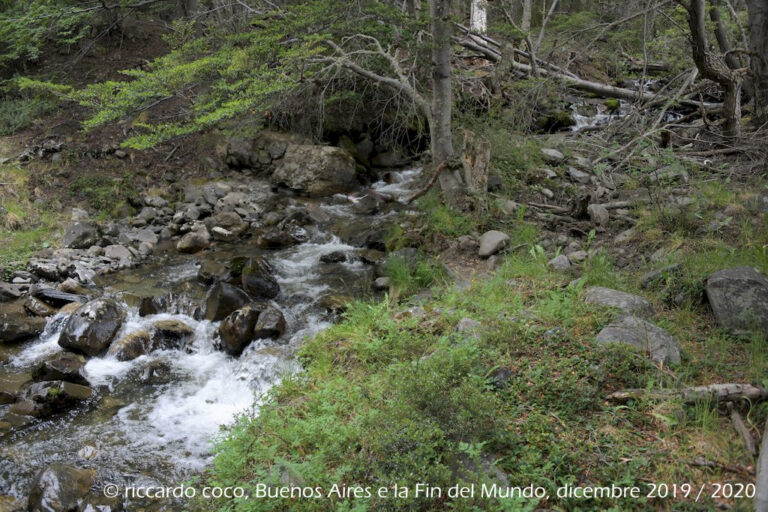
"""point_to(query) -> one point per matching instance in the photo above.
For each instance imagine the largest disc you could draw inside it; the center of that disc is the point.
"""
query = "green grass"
(101, 193)
(391, 395)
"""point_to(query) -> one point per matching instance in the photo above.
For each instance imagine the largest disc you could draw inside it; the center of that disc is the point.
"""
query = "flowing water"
(153, 419)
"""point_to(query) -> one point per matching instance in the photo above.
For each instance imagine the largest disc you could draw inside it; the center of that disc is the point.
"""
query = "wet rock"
(654, 341)
(194, 241)
(16, 325)
(119, 253)
(654, 276)
(236, 331)
(598, 214)
(11, 385)
(147, 236)
(9, 503)
(60, 488)
(131, 346)
(56, 298)
(37, 307)
(627, 302)
(65, 366)
(55, 396)
(560, 262)
(333, 257)
(223, 299)
(155, 373)
(171, 334)
(552, 156)
(270, 324)
(153, 305)
(211, 271)
(274, 239)
(316, 170)
(10, 292)
(492, 242)
(72, 287)
(257, 279)
(739, 299)
(91, 329)
(17, 421)
(81, 235)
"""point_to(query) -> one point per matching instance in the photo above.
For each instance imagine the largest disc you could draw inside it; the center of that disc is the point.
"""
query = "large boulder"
(16, 325)
(258, 280)
(316, 170)
(739, 299)
(223, 299)
(236, 331)
(60, 488)
(660, 346)
(131, 346)
(65, 366)
(271, 324)
(492, 242)
(628, 303)
(91, 329)
(81, 235)
(54, 396)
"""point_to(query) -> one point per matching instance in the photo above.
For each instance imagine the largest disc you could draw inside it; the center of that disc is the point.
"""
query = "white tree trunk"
(478, 22)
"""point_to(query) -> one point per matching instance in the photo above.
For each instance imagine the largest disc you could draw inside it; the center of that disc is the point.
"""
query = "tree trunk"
(525, 23)
(440, 122)
(758, 42)
(412, 7)
(713, 68)
(478, 20)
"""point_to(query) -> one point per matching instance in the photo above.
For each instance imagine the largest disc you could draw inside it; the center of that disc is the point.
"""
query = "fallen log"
(743, 431)
(713, 392)
(597, 88)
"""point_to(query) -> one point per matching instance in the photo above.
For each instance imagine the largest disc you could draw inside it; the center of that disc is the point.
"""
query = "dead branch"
(714, 392)
(743, 431)
(430, 183)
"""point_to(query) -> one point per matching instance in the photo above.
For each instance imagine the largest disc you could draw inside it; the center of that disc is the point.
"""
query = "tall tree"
(478, 20)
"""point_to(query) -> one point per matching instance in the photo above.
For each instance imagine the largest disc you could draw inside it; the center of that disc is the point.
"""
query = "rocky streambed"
(124, 352)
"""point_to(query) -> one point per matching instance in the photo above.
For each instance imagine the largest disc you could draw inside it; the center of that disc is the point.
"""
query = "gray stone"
(552, 156)
(91, 329)
(236, 330)
(81, 235)
(118, 252)
(60, 488)
(223, 299)
(258, 280)
(560, 262)
(627, 302)
(578, 176)
(9, 292)
(316, 170)
(194, 241)
(578, 256)
(492, 242)
(598, 214)
(16, 325)
(64, 366)
(657, 343)
(739, 299)
(147, 236)
(381, 283)
(47, 398)
(271, 324)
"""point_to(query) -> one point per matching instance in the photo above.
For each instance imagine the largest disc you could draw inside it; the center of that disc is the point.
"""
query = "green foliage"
(410, 276)
(25, 27)
(443, 219)
(238, 72)
(19, 113)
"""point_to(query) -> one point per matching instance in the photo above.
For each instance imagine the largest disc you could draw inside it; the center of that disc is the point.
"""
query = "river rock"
(171, 334)
(628, 303)
(194, 241)
(739, 299)
(91, 329)
(119, 253)
(257, 279)
(661, 346)
(81, 235)
(54, 297)
(9, 503)
(55, 396)
(16, 325)
(273, 239)
(60, 488)
(492, 242)
(11, 385)
(316, 170)
(552, 156)
(236, 331)
(223, 299)
(131, 346)
(10, 292)
(271, 324)
(65, 366)
(37, 307)
(333, 257)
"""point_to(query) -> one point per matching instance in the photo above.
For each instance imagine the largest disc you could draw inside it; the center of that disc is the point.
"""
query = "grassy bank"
(401, 395)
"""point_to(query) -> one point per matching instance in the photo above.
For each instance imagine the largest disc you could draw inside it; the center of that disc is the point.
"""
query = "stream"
(152, 420)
